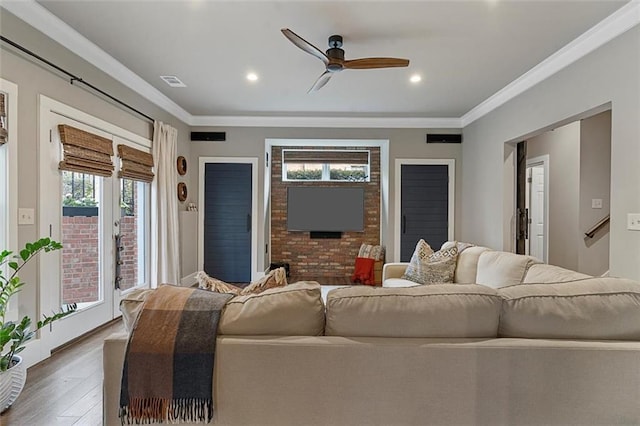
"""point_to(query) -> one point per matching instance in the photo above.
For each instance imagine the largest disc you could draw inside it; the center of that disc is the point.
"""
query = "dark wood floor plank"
(65, 389)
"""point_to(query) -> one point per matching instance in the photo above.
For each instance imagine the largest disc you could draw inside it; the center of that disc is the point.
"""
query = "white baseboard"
(189, 280)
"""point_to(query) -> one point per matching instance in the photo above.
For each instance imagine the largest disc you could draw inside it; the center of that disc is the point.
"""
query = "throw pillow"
(371, 252)
(214, 284)
(363, 272)
(431, 268)
(275, 278)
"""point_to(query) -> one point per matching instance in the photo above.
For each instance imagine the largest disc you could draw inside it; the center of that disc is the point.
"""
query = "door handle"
(404, 224)
(249, 223)
(119, 262)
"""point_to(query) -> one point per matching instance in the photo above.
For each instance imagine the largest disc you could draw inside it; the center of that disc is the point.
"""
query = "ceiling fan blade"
(305, 45)
(369, 63)
(321, 81)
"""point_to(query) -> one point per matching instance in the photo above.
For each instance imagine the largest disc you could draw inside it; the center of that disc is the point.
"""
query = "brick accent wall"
(318, 259)
(80, 260)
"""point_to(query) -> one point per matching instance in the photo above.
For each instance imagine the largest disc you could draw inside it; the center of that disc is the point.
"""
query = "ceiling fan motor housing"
(335, 54)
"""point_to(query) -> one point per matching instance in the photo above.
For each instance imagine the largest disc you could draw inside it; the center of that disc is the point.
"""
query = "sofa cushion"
(593, 308)
(399, 282)
(439, 310)
(543, 273)
(499, 268)
(467, 265)
(431, 268)
(293, 310)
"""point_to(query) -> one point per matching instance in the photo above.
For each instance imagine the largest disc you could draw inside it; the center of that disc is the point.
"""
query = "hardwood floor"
(65, 389)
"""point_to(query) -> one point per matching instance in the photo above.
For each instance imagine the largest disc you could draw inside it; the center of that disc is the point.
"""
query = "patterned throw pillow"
(427, 267)
(371, 252)
(275, 278)
(214, 284)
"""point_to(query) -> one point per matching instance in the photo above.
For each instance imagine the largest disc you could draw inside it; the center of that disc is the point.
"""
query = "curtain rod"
(73, 78)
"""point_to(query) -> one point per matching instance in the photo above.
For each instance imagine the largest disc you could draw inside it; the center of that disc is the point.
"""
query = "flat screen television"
(325, 209)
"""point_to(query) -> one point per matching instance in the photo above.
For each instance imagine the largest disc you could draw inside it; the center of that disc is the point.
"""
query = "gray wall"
(250, 142)
(34, 80)
(595, 182)
(611, 74)
(562, 145)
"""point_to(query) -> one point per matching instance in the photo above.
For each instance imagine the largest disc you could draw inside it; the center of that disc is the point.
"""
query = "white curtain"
(165, 242)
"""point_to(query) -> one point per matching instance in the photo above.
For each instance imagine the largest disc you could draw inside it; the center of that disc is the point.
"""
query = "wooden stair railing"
(591, 232)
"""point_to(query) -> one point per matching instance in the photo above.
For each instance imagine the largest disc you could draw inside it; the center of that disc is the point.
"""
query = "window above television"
(325, 165)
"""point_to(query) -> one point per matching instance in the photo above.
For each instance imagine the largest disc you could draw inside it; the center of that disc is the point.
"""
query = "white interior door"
(536, 205)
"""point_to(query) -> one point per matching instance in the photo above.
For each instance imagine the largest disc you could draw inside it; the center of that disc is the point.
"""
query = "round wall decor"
(182, 166)
(182, 191)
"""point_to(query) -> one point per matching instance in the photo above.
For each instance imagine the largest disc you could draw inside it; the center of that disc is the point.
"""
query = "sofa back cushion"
(467, 266)
(593, 308)
(499, 268)
(293, 310)
(438, 310)
(543, 273)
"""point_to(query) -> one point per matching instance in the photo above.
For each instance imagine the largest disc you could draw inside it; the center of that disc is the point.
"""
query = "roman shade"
(85, 152)
(3, 120)
(325, 156)
(136, 164)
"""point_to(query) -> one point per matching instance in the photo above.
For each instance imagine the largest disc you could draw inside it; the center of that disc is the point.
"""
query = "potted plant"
(14, 335)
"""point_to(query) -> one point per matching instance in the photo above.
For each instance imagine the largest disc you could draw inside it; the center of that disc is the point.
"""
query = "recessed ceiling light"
(415, 78)
(172, 81)
(252, 76)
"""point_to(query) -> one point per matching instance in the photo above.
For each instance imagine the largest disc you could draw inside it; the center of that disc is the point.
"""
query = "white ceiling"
(466, 51)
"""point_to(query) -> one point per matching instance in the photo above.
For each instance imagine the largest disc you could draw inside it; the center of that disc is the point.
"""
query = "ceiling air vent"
(172, 81)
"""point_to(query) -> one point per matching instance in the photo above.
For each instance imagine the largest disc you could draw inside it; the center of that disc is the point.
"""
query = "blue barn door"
(227, 221)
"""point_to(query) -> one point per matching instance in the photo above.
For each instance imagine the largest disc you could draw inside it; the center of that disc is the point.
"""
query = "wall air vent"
(209, 136)
(434, 138)
(172, 81)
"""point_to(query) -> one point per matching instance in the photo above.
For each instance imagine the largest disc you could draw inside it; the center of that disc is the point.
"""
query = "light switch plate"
(633, 221)
(26, 216)
(596, 203)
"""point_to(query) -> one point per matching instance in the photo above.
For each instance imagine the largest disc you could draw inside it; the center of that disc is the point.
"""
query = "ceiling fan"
(334, 58)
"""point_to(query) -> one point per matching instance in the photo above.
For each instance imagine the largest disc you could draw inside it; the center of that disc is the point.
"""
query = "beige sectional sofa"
(533, 344)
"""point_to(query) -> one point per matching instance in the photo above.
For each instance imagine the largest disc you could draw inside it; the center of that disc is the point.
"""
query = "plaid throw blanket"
(168, 367)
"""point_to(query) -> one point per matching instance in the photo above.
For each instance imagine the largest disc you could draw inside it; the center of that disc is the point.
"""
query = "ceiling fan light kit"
(334, 60)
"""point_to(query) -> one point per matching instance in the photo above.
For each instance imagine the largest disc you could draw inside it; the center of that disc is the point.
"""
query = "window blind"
(325, 156)
(3, 120)
(136, 164)
(85, 152)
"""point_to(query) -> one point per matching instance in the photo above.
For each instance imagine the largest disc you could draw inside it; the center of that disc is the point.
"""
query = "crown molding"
(44, 21)
(338, 122)
(606, 30)
(53, 27)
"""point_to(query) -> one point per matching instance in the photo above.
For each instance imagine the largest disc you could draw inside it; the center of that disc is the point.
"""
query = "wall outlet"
(596, 203)
(26, 216)
(633, 221)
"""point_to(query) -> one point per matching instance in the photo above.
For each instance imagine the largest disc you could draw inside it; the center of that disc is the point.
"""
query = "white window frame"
(9, 182)
(326, 168)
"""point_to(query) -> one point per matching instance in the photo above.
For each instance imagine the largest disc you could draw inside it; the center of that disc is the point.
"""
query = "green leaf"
(13, 265)
(24, 254)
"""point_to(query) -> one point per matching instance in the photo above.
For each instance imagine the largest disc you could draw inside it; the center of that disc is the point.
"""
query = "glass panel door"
(132, 233)
(78, 206)
(81, 237)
